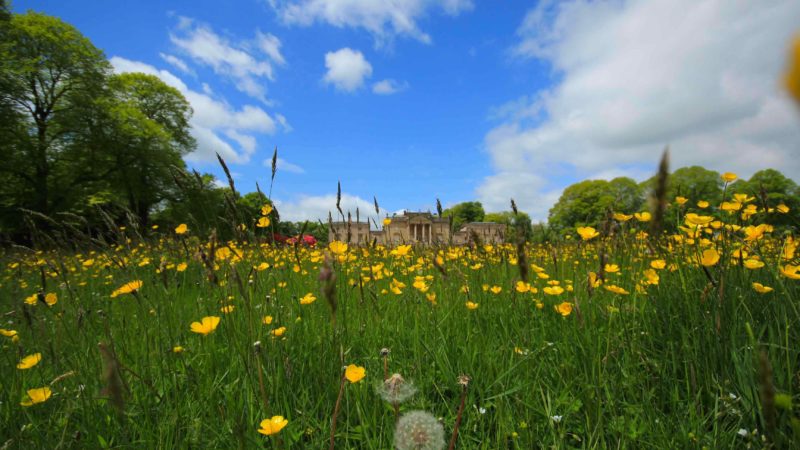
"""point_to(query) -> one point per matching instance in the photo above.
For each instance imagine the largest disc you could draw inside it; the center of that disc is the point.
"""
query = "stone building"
(417, 228)
(487, 233)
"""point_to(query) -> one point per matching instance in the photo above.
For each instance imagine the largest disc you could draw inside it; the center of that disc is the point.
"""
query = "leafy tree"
(148, 123)
(771, 188)
(515, 223)
(588, 202)
(198, 202)
(465, 212)
(694, 183)
(49, 78)
(5, 11)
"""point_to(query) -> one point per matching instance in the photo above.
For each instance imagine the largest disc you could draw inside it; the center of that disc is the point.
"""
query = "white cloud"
(177, 63)
(310, 207)
(249, 64)
(383, 19)
(211, 117)
(388, 87)
(700, 76)
(285, 166)
(347, 69)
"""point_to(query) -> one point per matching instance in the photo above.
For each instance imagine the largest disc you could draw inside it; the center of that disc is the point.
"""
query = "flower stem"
(336, 411)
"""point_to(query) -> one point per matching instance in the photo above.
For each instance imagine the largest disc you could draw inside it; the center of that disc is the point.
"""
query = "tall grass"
(698, 359)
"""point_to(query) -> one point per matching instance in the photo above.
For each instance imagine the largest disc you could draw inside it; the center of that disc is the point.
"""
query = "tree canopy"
(588, 202)
(465, 212)
(74, 136)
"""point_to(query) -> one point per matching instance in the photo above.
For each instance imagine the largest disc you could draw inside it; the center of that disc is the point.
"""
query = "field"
(617, 339)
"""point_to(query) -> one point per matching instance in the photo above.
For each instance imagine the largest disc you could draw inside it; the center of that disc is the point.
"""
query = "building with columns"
(416, 228)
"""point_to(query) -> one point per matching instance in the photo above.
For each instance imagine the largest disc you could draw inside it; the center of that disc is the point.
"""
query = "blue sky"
(460, 100)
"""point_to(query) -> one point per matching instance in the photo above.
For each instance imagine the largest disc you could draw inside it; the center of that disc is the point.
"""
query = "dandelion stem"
(336, 411)
(460, 414)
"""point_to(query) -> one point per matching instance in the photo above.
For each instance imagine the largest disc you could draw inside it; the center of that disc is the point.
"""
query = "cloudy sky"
(413, 100)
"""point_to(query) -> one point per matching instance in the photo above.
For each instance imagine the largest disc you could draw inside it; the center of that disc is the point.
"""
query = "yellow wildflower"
(29, 361)
(273, 425)
(38, 395)
(354, 373)
(205, 326)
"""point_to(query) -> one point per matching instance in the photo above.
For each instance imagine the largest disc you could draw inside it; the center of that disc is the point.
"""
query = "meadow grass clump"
(609, 338)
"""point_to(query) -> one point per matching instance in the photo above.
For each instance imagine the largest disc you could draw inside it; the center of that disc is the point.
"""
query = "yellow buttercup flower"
(752, 233)
(128, 288)
(553, 290)
(783, 209)
(791, 271)
(730, 206)
(472, 305)
(753, 264)
(587, 233)
(643, 216)
(181, 267)
(266, 209)
(564, 308)
(523, 287)
(401, 250)
(181, 229)
(681, 200)
(387, 221)
(177, 349)
(38, 395)
(761, 289)
(611, 268)
(272, 425)
(308, 299)
(263, 222)
(278, 332)
(29, 361)
(696, 220)
(267, 320)
(729, 177)
(495, 289)
(658, 264)
(206, 325)
(51, 299)
(615, 289)
(702, 204)
(354, 373)
(338, 247)
(622, 217)
(32, 299)
(710, 257)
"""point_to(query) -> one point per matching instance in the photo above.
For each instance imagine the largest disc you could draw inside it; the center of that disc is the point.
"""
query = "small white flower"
(555, 419)
(743, 432)
(482, 410)
(732, 396)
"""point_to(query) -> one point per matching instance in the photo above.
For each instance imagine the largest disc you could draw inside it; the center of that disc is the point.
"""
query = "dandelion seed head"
(396, 389)
(419, 430)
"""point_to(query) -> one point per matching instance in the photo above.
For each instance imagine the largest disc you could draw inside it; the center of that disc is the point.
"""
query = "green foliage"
(465, 212)
(73, 137)
(771, 188)
(587, 203)
(516, 224)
